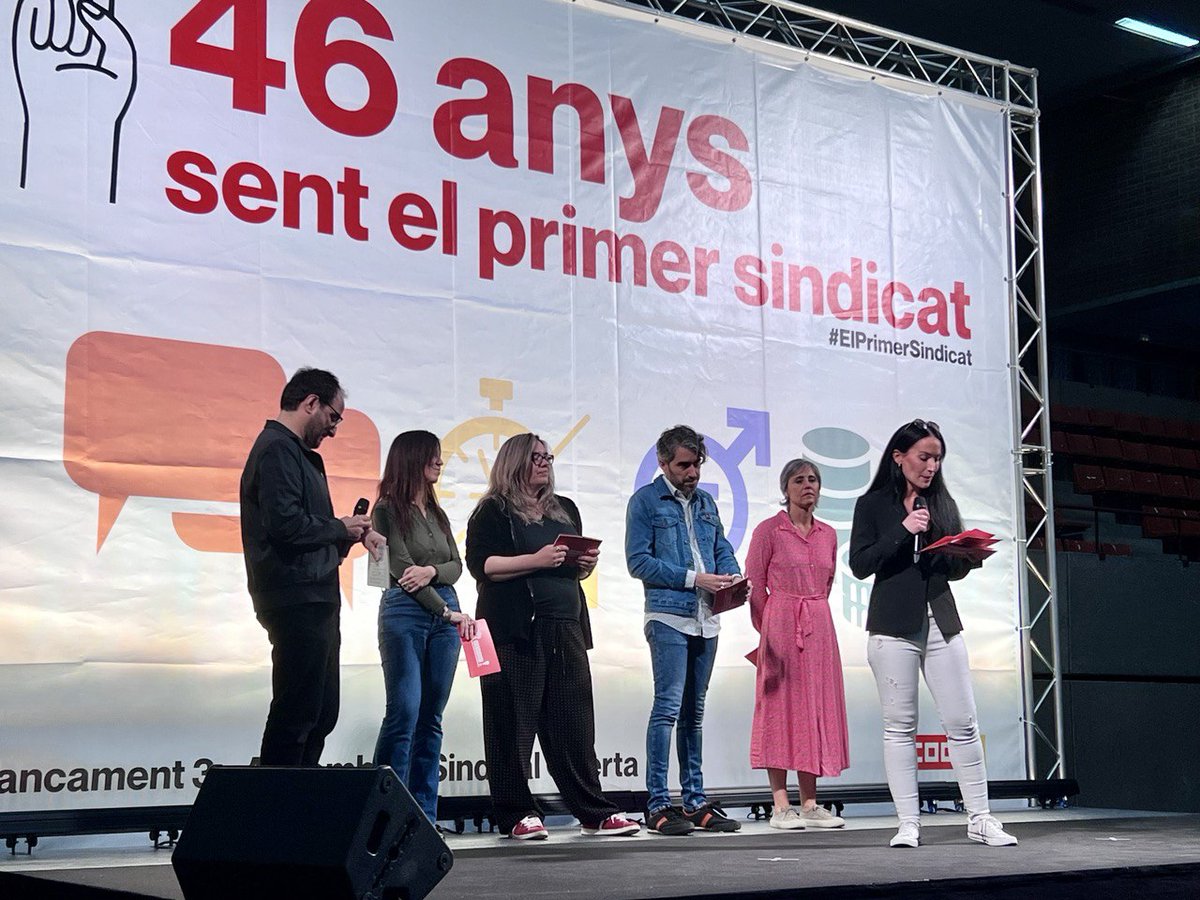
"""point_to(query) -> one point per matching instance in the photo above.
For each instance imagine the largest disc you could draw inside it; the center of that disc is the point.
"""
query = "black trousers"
(305, 682)
(547, 693)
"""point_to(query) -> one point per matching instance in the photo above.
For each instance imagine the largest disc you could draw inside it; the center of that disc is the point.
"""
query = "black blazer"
(880, 545)
(292, 542)
(508, 605)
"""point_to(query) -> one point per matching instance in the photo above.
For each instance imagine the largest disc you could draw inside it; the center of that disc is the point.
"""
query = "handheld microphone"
(918, 503)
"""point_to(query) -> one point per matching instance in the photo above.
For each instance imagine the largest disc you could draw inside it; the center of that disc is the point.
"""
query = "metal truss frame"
(813, 32)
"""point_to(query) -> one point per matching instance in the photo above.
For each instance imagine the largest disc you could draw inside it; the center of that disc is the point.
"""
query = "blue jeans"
(419, 653)
(682, 666)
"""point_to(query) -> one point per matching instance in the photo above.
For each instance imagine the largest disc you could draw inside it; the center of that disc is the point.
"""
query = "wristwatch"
(447, 612)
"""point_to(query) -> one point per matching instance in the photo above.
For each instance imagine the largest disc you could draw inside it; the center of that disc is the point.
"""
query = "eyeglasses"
(547, 458)
(926, 425)
(335, 416)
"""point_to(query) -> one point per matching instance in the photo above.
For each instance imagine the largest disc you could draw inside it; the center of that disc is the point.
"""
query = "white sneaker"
(788, 818)
(820, 817)
(987, 830)
(909, 835)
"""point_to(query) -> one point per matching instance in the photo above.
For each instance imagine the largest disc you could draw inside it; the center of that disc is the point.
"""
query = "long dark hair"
(943, 511)
(404, 481)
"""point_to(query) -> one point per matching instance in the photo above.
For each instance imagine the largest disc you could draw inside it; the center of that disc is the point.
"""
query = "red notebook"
(481, 652)
(974, 544)
(731, 597)
(576, 545)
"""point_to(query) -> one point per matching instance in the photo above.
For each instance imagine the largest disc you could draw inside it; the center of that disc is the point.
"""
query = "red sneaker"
(529, 828)
(613, 825)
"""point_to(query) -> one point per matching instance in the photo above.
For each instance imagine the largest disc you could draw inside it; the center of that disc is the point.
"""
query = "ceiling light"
(1159, 34)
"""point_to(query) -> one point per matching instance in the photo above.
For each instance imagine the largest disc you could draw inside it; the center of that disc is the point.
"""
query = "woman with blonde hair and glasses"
(913, 626)
(531, 598)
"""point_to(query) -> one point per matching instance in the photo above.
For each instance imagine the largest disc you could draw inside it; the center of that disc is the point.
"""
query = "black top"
(292, 542)
(880, 545)
(555, 591)
(509, 606)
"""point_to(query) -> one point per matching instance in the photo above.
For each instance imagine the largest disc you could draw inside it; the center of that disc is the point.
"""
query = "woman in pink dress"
(799, 702)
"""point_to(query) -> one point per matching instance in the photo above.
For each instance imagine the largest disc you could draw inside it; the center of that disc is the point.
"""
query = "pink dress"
(799, 701)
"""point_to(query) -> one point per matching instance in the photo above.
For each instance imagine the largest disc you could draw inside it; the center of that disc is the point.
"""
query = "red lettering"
(400, 221)
(353, 192)
(890, 291)
(749, 270)
(495, 106)
(960, 300)
(489, 253)
(249, 181)
(179, 166)
(699, 140)
(544, 99)
(649, 172)
(931, 319)
(293, 184)
(853, 281)
(592, 239)
(669, 258)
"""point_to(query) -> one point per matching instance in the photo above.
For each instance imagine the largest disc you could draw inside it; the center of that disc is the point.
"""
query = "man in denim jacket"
(675, 545)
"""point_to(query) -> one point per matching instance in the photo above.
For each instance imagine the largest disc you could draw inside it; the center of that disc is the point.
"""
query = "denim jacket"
(657, 550)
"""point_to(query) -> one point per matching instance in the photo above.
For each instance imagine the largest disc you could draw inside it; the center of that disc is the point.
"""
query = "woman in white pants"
(913, 625)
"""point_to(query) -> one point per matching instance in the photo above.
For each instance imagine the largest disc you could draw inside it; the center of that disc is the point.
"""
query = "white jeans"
(895, 662)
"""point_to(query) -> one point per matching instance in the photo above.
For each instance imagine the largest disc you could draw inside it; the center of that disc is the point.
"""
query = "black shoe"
(669, 820)
(711, 818)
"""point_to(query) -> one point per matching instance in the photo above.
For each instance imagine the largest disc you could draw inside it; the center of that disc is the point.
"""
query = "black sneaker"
(669, 820)
(711, 818)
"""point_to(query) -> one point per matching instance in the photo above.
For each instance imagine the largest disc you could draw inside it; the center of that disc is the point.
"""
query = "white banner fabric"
(485, 219)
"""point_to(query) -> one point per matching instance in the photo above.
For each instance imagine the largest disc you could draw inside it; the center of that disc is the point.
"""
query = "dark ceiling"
(1072, 43)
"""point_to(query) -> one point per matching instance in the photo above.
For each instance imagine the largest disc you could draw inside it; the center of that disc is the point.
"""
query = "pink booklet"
(481, 652)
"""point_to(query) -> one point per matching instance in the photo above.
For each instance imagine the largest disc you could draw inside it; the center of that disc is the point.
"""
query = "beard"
(314, 433)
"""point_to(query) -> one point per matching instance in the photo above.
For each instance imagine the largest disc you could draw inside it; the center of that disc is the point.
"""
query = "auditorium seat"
(1185, 458)
(1160, 455)
(1058, 441)
(1194, 431)
(1069, 415)
(1108, 448)
(1177, 429)
(1173, 486)
(1156, 427)
(1128, 423)
(1088, 479)
(1080, 445)
(1113, 549)
(1190, 526)
(1193, 487)
(1134, 452)
(1119, 480)
(1146, 483)
(1155, 525)
(1102, 418)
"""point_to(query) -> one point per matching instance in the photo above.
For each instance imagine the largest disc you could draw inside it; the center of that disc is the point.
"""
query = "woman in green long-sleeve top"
(419, 619)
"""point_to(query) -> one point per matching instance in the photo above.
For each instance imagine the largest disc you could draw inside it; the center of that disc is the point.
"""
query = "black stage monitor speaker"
(263, 833)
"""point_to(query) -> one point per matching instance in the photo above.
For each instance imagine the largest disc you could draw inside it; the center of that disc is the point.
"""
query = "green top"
(426, 545)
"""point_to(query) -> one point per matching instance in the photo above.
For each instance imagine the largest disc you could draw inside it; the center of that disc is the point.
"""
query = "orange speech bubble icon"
(152, 417)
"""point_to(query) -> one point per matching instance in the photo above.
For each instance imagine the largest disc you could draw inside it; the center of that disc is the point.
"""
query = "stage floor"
(1075, 852)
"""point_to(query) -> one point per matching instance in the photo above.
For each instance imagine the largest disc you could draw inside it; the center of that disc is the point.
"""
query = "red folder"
(731, 597)
(481, 652)
(973, 544)
(576, 545)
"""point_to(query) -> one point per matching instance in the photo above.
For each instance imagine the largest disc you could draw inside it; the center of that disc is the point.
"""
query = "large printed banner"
(569, 218)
